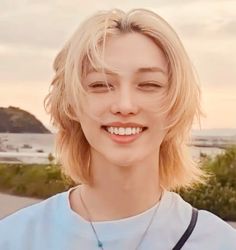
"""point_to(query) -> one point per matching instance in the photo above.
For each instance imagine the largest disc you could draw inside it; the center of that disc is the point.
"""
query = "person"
(124, 97)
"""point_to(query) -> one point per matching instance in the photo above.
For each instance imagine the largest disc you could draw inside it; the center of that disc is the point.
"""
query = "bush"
(39, 181)
(219, 195)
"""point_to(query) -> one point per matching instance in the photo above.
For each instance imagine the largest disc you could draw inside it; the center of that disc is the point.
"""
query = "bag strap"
(188, 231)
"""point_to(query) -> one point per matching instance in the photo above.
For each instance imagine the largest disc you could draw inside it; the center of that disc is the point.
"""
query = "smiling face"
(123, 124)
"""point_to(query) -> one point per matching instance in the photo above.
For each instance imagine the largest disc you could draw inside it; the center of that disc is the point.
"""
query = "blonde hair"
(176, 167)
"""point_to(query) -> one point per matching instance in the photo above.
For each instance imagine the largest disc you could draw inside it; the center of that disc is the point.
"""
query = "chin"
(125, 161)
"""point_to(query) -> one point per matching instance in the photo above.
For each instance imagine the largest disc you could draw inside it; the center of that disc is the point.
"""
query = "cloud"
(18, 65)
(33, 27)
(202, 18)
(217, 28)
(33, 31)
(47, 24)
(230, 28)
(217, 70)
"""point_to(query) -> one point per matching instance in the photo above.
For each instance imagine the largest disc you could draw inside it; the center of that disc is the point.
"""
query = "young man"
(123, 98)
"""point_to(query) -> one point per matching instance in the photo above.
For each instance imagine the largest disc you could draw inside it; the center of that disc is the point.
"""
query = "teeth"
(123, 131)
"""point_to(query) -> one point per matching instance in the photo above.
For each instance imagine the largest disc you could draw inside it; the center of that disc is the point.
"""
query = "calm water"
(34, 148)
(28, 148)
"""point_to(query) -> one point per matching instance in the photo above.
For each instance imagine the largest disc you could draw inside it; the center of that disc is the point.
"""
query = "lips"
(123, 139)
(119, 125)
(106, 128)
(124, 125)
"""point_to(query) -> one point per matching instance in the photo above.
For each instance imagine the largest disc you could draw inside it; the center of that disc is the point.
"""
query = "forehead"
(131, 53)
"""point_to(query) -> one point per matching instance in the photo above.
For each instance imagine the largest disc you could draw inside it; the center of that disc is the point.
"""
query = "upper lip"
(124, 125)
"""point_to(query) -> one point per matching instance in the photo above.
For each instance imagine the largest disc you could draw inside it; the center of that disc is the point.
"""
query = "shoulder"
(205, 218)
(32, 220)
(25, 214)
(209, 222)
(210, 232)
(214, 232)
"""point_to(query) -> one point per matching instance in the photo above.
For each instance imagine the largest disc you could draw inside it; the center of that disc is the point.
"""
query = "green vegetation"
(218, 196)
(39, 181)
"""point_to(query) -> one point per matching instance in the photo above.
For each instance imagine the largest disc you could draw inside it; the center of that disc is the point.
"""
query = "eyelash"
(99, 85)
(150, 84)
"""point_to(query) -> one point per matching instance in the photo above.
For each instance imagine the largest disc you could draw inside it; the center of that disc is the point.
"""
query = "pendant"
(100, 244)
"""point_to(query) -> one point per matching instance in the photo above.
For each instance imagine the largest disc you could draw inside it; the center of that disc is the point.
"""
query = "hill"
(16, 120)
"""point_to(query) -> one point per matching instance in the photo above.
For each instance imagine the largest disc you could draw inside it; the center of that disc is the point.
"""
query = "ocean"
(35, 148)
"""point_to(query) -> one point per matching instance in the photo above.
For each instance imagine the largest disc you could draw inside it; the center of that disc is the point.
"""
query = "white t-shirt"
(53, 225)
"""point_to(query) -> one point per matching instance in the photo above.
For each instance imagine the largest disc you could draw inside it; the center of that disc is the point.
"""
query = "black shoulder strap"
(188, 231)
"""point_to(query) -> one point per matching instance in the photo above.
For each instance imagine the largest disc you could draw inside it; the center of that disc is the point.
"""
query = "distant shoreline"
(35, 148)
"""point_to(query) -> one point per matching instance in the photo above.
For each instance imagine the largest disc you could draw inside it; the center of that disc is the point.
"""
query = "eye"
(100, 86)
(149, 86)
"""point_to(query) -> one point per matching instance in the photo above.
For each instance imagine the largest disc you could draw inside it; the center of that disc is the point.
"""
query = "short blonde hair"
(176, 167)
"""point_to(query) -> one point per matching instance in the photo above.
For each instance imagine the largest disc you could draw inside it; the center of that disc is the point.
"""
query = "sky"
(33, 32)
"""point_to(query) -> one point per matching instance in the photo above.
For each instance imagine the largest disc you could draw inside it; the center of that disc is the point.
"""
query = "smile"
(123, 131)
(124, 135)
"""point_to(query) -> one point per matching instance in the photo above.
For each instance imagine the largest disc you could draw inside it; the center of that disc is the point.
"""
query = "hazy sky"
(32, 32)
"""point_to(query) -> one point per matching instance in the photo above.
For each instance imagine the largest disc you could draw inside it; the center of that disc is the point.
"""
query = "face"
(122, 121)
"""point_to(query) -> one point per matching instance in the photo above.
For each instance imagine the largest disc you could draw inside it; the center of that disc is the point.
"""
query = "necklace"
(99, 242)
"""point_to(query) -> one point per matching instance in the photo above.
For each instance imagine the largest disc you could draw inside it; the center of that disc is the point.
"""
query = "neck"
(119, 192)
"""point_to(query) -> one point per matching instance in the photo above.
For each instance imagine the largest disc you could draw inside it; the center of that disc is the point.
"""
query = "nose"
(124, 102)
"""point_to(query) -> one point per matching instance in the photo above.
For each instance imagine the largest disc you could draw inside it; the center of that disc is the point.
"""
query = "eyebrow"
(139, 70)
(150, 69)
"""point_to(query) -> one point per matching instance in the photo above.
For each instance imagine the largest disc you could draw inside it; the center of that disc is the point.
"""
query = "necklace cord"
(90, 221)
(100, 245)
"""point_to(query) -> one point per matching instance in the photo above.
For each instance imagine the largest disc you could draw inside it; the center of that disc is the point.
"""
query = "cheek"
(97, 105)
(153, 104)
(158, 125)
(92, 116)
